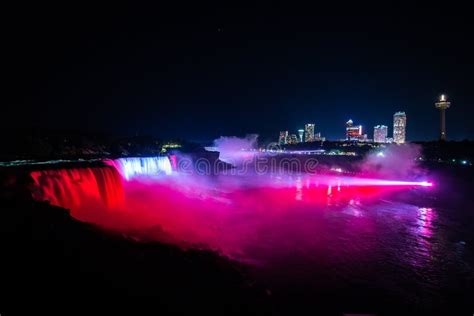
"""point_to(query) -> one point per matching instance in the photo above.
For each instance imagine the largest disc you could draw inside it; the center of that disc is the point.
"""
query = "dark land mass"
(58, 265)
(44, 144)
(50, 260)
(52, 263)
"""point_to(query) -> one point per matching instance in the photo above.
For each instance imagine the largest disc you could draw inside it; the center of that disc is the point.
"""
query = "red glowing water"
(224, 213)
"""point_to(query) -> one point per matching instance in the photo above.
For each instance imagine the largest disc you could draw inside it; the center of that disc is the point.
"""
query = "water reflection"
(424, 234)
(426, 215)
(296, 230)
(236, 215)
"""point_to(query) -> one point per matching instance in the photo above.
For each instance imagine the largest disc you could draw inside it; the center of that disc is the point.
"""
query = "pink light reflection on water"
(425, 218)
(248, 218)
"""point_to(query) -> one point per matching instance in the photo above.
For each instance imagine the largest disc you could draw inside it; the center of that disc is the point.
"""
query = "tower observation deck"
(442, 105)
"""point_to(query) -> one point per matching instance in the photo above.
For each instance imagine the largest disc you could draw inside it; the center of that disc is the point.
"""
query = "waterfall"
(75, 187)
(148, 166)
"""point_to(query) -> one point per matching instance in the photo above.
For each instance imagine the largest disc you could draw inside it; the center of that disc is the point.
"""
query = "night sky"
(199, 72)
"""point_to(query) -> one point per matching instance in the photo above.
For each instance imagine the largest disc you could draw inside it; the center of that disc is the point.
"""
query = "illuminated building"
(283, 139)
(380, 134)
(309, 132)
(301, 134)
(353, 132)
(399, 127)
(293, 139)
(442, 105)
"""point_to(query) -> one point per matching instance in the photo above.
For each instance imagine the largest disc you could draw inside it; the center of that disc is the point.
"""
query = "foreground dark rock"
(49, 258)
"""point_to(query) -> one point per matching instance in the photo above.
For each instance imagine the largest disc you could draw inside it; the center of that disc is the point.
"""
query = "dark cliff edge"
(50, 259)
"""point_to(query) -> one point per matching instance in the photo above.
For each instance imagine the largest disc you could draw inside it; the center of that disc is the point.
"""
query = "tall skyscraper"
(309, 132)
(442, 105)
(380, 134)
(399, 127)
(353, 132)
(283, 139)
(301, 134)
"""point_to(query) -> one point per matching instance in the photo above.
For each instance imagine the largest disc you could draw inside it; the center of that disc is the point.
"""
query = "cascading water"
(146, 166)
(76, 187)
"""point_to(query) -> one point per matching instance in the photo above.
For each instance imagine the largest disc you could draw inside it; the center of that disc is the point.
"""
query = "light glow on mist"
(235, 150)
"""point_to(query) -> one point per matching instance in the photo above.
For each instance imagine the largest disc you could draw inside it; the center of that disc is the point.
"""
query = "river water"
(309, 240)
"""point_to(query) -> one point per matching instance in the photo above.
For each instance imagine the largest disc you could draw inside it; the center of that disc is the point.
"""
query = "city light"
(380, 134)
(442, 105)
(309, 132)
(399, 127)
(353, 132)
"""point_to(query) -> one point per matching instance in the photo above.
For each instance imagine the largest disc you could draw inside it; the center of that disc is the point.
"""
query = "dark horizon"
(198, 73)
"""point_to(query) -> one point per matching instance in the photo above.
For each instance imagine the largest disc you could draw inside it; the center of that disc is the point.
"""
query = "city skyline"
(380, 132)
(354, 132)
(398, 128)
